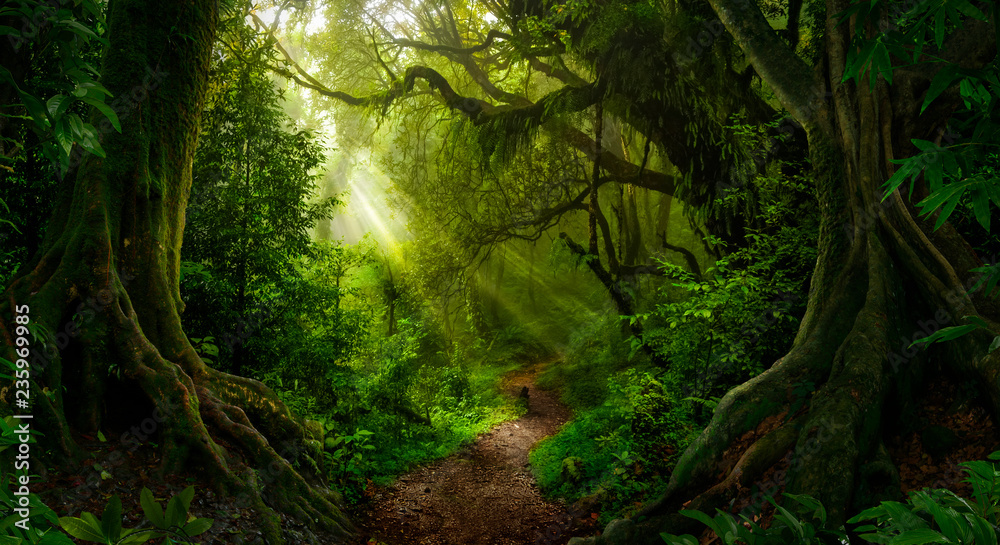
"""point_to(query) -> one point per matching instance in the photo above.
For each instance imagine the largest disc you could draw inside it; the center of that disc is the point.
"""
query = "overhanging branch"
(792, 80)
(490, 38)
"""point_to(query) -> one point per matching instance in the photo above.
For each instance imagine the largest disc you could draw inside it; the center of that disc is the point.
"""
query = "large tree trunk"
(106, 286)
(880, 282)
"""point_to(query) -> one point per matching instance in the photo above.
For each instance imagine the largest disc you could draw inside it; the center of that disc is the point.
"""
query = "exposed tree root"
(879, 284)
(198, 406)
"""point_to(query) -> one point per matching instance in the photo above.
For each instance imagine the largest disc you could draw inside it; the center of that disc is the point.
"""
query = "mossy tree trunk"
(106, 287)
(882, 279)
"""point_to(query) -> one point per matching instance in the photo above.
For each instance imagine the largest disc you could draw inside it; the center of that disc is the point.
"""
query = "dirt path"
(482, 495)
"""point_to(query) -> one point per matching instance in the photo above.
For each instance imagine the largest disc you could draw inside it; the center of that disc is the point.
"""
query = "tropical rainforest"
(598, 272)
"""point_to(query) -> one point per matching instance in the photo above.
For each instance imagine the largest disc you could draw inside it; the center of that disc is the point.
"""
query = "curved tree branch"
(792, 80)
(490, 38)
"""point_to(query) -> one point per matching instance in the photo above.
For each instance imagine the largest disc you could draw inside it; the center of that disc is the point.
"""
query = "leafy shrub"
(170, 524)
(613, 449)
(803, 524)
(928, 516)
(941, 516)
(728, 326)
(349, 461)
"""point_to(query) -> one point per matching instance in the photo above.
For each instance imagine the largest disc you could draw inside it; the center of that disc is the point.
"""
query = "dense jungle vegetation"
(265, 263)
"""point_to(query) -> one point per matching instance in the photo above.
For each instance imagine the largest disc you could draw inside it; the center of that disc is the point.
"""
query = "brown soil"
(482, 495)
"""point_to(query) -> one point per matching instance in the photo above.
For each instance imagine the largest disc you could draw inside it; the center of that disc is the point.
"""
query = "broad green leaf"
(54, 537)
(177, 507)
(186, 496)
(79, 29)
(197, 526)
(138, 535)
(81, 529)
(92, 146)
(946, 211)
(175, 512)
(704, 519)
(789, 519)
(946, 334)
(111, 519)
(942, 80)
(685, 539)
(36, 110)
(105, 110)
(881, 58)
(968, 9)
(903, 517)
(981, 205)
(981, 530)
(152, 508)
(90, 519)
(918, 537)
(58, 104)
(945, 518)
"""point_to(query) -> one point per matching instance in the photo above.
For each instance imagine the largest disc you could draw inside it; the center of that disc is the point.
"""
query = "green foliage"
(940, 516)
(250, 209)
(54, 48)
(579, 441)
(42, 521)
(724, 328)
(406, 399)
(803, 522)
(963, 171)
(56, 104)
(250, 265)
(715, 332)
(171, 524)
(611, 450)
(928, 516)
(349, 461)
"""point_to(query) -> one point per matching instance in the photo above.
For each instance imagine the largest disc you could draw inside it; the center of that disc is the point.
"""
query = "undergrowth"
(406, 401)
(927, 516)
(627, 431)
(633, 419)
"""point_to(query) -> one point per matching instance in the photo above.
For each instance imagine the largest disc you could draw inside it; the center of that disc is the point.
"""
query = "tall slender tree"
(253, 179)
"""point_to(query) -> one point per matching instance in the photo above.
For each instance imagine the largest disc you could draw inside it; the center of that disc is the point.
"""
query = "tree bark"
(105, 286)
(879, 283)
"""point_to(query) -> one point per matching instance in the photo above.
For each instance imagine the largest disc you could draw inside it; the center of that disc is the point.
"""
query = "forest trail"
(483, 494)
